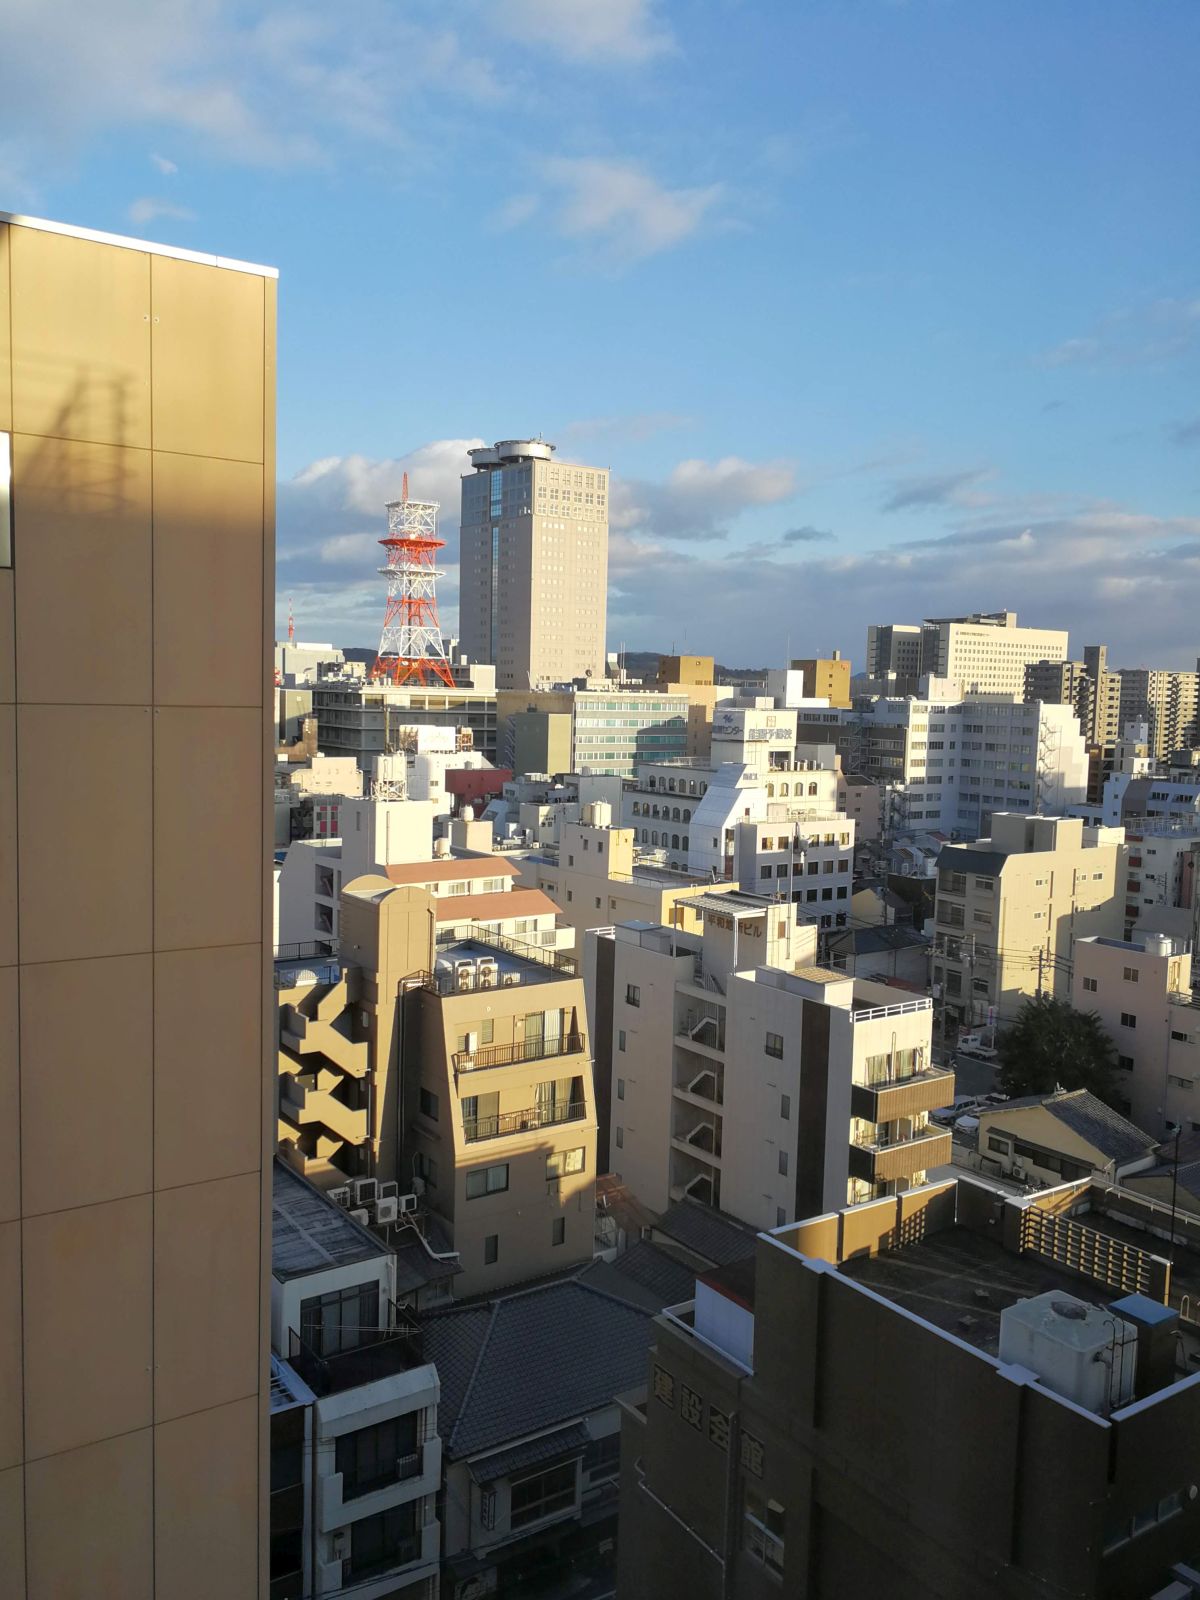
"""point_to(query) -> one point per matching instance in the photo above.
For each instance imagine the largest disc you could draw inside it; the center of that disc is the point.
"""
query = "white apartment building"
(533, 564)
(946, 764)
(372, 1457)
(747, 1077)
(1142, 992)
(1162, 883)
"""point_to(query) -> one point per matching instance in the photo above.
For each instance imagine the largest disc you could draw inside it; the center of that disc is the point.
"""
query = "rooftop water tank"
(1083, 1352)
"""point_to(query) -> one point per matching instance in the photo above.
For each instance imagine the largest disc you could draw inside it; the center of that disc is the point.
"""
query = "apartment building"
(356, 1460)
(894, 656)
(611, 730)
(454, 1064)
(747, 1077)
(947, 764)
(308, 796)
(1012, 908)
(940, 1394)
(595, 877)
(1095, 693)
(1141, 989)
(1169, 704)
(533, 564)
(137, 415)
(365, 719)
(817, 678)
(1162, 885)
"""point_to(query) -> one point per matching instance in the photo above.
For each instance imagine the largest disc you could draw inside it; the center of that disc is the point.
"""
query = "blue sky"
(874, 309)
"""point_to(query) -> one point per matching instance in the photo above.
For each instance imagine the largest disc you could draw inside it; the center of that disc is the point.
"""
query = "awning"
(547, 1447)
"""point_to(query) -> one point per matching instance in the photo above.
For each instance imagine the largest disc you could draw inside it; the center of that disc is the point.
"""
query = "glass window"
(783, 1163)
(386, 1540)
(372, 1457)
(558, 1231)
(1090, 985)
(337, 1321)
(429, 1104)
(491, 1249)
(559, 1163)
(633, 994)
(620, 1088)
(487, 1180)
(774, 1045)
(541, 1495)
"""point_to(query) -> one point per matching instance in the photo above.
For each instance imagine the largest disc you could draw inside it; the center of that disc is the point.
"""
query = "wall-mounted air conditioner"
(366, 1191)
(340, 1197)
(387, 1210)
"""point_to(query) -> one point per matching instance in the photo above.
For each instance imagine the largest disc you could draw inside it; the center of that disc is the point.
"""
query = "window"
(1128, 1020)
(371, 1457)
(620, 1088)
(783, 1163)
(762, 1535)
(541, 1495)
(785, 1106)
(425, 1168)
(601, 1457)
(620, 1038)
(336, 1321)
(774, 1045)
(491, 1249)
(558, 1231)
(388, 1539)
(1125, 1063)
(1000, 1146)
(633, 994)
(561, 1162)
(1130, 974)
(620, 1138)
(487, 1180)
(780, 1216)
(429, 1104)
(1090, 985)
(1180, 1038)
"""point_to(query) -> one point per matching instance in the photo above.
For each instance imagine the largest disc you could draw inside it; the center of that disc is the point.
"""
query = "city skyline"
(850, 316)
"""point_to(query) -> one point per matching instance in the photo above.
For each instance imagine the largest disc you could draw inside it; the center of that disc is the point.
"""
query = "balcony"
(511, 1055)
(508, 1123)
(380, 1353)
(887, 1163)
(902, 1097)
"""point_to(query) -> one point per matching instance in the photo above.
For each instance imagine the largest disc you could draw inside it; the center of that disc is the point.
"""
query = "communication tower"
(410, 647)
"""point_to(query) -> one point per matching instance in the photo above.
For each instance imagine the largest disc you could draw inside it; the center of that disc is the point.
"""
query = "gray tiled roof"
(714, 1236)
(528, 1360)
(651, 1275)
(1103, 1128)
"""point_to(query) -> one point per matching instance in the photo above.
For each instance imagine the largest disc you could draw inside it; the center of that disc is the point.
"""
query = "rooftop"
(1104, 1129)
(515, 961)
(712, 1236)
(309, 1233)
(494, 907)
(448, 869)
(530, 1360)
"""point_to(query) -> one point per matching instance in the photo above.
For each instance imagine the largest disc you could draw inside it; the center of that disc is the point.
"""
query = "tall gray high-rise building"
(533, 562)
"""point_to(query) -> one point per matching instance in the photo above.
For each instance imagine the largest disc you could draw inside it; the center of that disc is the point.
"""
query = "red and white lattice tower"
(410, 647)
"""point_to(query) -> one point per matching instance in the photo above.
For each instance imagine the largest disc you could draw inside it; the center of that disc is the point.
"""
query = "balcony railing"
(510, 1055)
(900, 1158)
(380, 1353)
(309, 950)
(476, 934)
(904, 1009)
(404, 1468)
(510, 1122)
(402, 1554)
(891, 1098)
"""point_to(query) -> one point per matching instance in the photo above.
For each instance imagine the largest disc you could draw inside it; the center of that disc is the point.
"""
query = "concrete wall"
(139, 389)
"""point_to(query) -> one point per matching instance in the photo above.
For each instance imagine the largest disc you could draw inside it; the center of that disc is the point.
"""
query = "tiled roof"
(1104, 1129)
(651, 1275)
(714, 1236)
(527, 1361)
(448, 869)
(494, 907)
(546, 1447)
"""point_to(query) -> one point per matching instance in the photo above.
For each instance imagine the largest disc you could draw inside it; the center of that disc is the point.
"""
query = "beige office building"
(136, 576)
(986, 652)
(533, 564)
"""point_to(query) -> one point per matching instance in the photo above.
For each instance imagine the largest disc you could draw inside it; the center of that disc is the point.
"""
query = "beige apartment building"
(533, 564)
(747, 1077)
(454, 1065)
(1012, 908)
(1168, 702)
(137, 405)
(595, 880)
(1141, 990)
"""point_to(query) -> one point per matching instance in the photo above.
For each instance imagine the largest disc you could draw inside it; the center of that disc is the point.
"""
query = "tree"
(1052, 1046)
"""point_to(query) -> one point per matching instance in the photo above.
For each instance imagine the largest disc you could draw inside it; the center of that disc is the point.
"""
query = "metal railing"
(510, 1122)
(509, 1055)
(904, 1009)
(379, 1353)
(291, 975)
(308, 950)
(476, 934)
(402, 1554)
(927, 1073)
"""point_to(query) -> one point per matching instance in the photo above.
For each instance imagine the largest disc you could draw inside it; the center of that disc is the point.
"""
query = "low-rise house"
(1057, 1138)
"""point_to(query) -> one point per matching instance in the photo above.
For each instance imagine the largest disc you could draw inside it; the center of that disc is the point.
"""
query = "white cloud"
(515, 211)
(148, 209)
(1151, 333)
(698, 498)
(166, 167)
(258, 87)
(621, 32)
(623, 208)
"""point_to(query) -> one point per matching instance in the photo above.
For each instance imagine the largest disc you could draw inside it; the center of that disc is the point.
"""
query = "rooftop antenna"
(291, 622)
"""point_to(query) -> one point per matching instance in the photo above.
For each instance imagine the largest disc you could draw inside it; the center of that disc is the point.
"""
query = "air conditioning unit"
(507, 978)
(389, 1190)
(366, 1190)
(361, 1214)
(1018, 1169)
(387, 1210)
(408, 1202)
(340, 1197)
(464, 976)
(488, 974)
